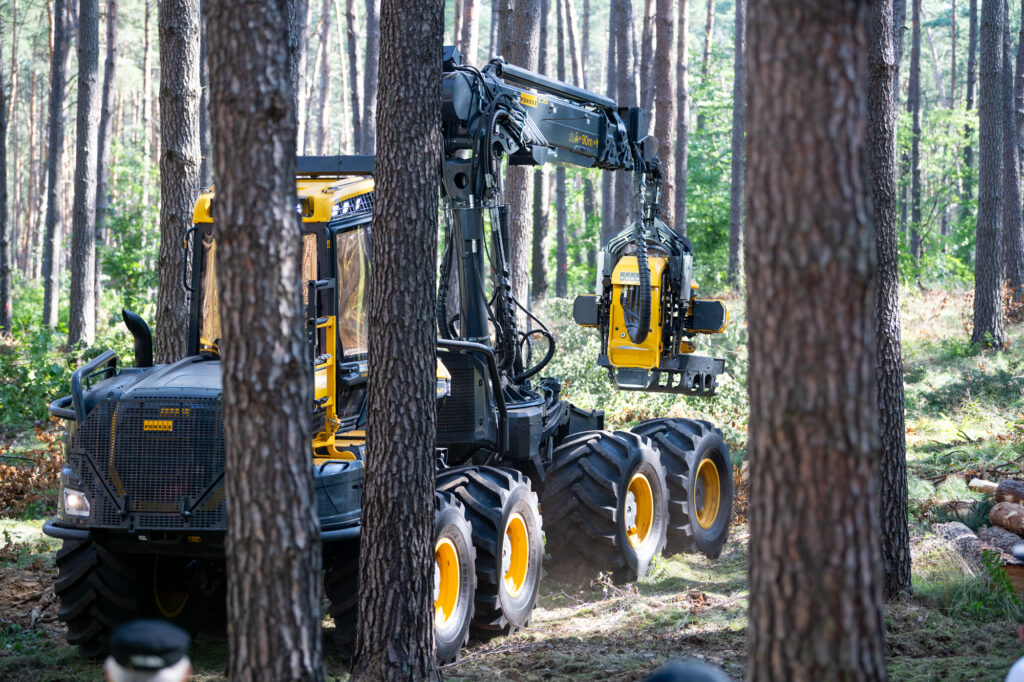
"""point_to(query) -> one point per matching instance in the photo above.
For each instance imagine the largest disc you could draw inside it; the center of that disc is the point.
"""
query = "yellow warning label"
(157, 425)
(527, 99)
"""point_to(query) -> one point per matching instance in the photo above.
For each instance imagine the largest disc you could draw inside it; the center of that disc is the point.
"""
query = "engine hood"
(192, 377)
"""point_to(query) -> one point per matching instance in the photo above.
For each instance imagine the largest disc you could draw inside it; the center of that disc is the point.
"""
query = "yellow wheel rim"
(515, 554)
(639, 509)
(446, 581)
(169, 601)
(707, 493)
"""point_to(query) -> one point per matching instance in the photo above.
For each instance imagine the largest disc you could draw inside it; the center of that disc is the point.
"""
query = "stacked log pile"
(1006, 531)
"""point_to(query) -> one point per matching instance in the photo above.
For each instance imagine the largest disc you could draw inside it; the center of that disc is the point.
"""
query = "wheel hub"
(630, 511)
(638, 512)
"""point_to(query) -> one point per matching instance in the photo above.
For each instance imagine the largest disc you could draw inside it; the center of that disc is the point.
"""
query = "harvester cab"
(142, 494)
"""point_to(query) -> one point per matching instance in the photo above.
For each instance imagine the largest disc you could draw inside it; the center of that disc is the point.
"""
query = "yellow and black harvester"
(141, 503)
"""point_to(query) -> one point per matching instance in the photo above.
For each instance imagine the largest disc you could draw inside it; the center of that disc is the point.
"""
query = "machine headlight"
(75, 503)
(444, 387)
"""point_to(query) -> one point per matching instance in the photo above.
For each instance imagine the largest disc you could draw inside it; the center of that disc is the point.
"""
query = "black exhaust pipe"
(143, 338)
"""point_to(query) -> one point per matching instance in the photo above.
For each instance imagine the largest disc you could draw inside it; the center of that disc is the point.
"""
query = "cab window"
(353, 290)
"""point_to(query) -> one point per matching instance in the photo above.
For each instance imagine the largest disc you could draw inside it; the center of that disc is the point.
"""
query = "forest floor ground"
(965, 417)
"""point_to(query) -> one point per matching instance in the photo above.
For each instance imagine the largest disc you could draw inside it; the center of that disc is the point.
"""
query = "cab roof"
(318, 197)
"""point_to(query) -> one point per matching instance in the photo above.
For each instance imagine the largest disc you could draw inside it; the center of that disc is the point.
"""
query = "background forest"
(963, 404)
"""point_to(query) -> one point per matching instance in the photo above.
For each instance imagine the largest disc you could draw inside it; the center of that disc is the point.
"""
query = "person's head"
(148, 651)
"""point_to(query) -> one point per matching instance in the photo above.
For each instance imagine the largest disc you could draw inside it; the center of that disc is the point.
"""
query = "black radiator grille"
(164, 457)
(458, 415)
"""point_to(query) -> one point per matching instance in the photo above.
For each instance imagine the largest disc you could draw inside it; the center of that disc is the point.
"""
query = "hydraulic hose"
(636, 304)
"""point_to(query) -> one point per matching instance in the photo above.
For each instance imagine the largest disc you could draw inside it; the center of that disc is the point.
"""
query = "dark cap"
(148, 644)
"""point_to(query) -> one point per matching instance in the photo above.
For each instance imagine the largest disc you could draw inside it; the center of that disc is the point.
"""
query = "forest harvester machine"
(141, 502)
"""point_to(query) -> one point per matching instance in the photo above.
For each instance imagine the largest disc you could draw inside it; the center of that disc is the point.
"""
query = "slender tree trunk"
(147, 92)
(324, 112)
(936, 68)
(608, 227)
(709, 36)
(297, 19)
(1018, 91)
(205, 145)
(576, 74)
(495, 26)
(538, 269)
(341, 29)
(646, 66)
(561, 227)
(988, 314)
(665, 104)
(952, 57)
(520, 46)
(179, 166)
(738, 113)
(470, 35)
(881, 139)
(682, 115)
(15, 215)
(967, 194)
(457, 23)
(539, 256)
(6, 324)
(54, 164)
(815, 571)
(622, 13)
(1013, 219)
(273, 545)
(82, 322)
(588, 79)
(914, 106)
(396, 561)
(370, 75)
(353, 75)
(306, 86)
(104, 135)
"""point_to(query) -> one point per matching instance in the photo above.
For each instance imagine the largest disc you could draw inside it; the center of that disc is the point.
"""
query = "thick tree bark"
(206, 166)
(273, 547)
(520, 46)
(882, 150)
(1018, 90)
(323, 115)
(625, 73)
(561, 225)
(54, 164)
(395, 639)
(297, 19)
(370, 75)
(352, 41)
(988, 314)
(103, 137)
(1013, 219)
(815, 571)
(665, 104)
(608, 227)
(914, 107)
(5, 225)
(82, 322)
(179, 166)
(682, 115)
(967, 193)
(539, 256)
(470, 31)
(739, 87)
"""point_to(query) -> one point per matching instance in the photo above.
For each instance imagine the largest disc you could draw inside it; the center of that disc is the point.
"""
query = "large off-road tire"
(455, 582)
(606, 501)
(502, 509)
(99, 590)
(699, 475)
(454, 577)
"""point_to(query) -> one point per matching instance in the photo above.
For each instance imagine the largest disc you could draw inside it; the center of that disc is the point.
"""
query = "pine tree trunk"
(815, 572)
(306, 86)
(709, 36)
(665, 103)
(54, 164)
(273, 546)
(952, 58)
(16, 213)
(1013, 219)
(206, 166)
(179, 166)
(298, 48)
(608, 227)
(395, 639)
(588, 80)
(738, 113)
(469, 38)
(344, 114)
(576, 74)
(456, 24)
(370, 75)
(147, 92)
(1018, 92)
(682, 115)
(967, 192)
(495, 26)
(82, 322)
(625, 72)
(323, 129)
(520, 46)
(936, 69)
(988, 314)
(104, 135)
(646, 66)
(5, 225)
(539, 256)
(353, 75)
(561, 226)
(881, 138)
(914, 106)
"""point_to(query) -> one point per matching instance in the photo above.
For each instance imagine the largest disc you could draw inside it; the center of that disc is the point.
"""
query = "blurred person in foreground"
(148, 651)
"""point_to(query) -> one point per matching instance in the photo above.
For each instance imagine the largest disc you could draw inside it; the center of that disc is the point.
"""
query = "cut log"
(982, 486)
(1010, 491)
(964, 541)
(1008, 515)
(1000, 538)
(958, 509)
